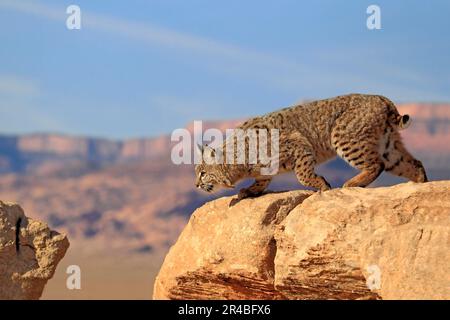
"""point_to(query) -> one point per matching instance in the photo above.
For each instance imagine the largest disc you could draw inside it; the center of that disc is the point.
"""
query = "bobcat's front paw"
(247, 193)
(324, 188)
(244, 193)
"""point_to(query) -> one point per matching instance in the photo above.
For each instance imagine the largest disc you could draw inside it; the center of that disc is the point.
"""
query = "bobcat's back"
(361, 129)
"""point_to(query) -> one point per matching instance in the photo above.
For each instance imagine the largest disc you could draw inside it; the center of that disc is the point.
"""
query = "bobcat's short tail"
(401, 121)
(404, 121)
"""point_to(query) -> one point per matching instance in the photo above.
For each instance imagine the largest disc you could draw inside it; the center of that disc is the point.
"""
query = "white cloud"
(22, 117)
(19, 109)
(150, 34)
(264, 68)
(17, 86)
(228, 58)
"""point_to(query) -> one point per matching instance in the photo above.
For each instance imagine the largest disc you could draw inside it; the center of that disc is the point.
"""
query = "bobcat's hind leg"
(363, 156)
(304, 170)
(359, 143)
(256, 189)
(368, 174)
(400, 162)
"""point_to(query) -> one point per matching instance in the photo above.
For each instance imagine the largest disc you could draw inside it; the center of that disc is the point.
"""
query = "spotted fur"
(361, 129)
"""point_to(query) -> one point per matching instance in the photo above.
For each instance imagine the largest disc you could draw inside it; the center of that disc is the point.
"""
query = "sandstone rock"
(29, 253)
(227, 250)
(375, 243)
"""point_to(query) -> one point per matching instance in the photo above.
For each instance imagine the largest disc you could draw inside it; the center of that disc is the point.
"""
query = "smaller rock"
(29, 253)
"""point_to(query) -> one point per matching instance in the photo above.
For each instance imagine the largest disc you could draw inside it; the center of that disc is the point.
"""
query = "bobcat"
(361, 129)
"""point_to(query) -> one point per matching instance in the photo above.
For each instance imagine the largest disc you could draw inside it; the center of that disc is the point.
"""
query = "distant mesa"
(139, 197)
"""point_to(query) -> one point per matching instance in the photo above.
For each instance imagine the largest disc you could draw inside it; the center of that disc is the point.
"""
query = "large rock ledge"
(29, 253)
(377, 243)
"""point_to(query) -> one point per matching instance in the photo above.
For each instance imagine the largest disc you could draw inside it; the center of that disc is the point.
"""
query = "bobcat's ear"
(227, 183)
(209, 154)
(210, 151)
(199, 149)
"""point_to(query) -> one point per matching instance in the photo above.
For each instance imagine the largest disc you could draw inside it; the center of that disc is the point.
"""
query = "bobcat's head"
(210, 174)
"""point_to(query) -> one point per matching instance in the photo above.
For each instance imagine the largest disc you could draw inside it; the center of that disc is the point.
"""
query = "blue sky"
(142, 68)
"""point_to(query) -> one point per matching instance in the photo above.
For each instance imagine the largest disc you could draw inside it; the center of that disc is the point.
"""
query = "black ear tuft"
(404, 122)
(199, 149)
(405, 119)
